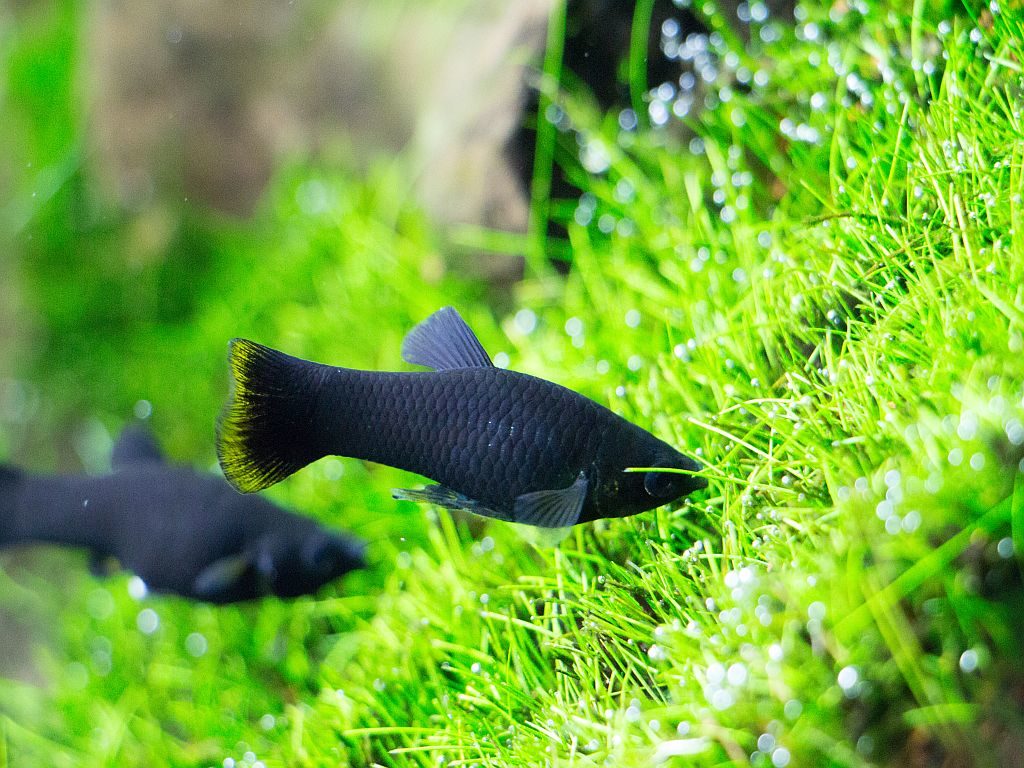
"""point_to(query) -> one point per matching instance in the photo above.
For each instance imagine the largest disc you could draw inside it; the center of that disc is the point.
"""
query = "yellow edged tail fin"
(266, 430)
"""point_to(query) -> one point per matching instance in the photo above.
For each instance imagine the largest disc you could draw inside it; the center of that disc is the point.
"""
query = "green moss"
(823, 301)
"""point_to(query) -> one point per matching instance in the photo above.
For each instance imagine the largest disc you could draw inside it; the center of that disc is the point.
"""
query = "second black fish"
(499, 443)
(179, 530)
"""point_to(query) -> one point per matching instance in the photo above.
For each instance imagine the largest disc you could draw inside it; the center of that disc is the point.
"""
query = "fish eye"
(660, 485)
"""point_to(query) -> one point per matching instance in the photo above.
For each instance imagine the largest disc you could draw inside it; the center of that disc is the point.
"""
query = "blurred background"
(144, 145)
(320, 176)
(176, 174)
(316, 175)
(783, 236)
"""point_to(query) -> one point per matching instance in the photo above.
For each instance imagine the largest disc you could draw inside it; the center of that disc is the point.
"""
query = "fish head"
(622, 492)
(326, 556)
(298, 562)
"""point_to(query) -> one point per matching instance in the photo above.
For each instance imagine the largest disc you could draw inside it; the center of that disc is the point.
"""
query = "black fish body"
(180, 531)
(500, 443)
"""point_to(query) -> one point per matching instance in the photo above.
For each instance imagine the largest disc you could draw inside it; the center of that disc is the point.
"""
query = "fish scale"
(499, 443)
(436, 424)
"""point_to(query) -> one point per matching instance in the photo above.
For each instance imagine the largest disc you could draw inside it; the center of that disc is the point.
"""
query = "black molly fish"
(500, 443)
(178, 530)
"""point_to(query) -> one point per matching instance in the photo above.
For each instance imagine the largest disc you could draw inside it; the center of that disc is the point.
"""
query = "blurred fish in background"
(179, 530)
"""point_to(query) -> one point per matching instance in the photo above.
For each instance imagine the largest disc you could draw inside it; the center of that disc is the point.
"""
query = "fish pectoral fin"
(559, 508)
(444, 342)
(220, 577)
(136, 445)
(446, 497)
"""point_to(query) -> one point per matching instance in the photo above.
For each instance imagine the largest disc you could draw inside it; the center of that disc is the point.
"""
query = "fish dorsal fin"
(444, 342)
(136, 445)
(559, 508)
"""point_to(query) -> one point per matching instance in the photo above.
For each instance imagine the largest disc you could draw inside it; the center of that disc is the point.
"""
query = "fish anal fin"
(136, 445)
(446, 497)
(444, 342)
(559, 508)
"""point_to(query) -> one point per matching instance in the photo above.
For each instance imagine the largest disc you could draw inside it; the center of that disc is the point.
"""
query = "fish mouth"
(682, 470)
(355, 552)
(696, 482)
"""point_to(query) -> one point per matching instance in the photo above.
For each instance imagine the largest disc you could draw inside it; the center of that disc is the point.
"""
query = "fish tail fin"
(267, 430)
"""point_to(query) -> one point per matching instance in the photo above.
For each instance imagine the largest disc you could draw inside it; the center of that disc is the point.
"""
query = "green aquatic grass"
(820, 298)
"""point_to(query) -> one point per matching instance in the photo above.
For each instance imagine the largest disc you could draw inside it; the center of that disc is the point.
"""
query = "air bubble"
(968, 426)
(969, 660)
(99, 604)
(633, 711)
(525, 321)
(723, 698)
(737, 674)
(147, 621)
(658, 112)
(196, 644)
(848, 678)
(656, 653)
(912, 521)
(624, 192)
(137, 588)
(594, 156)
(1005, 548)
